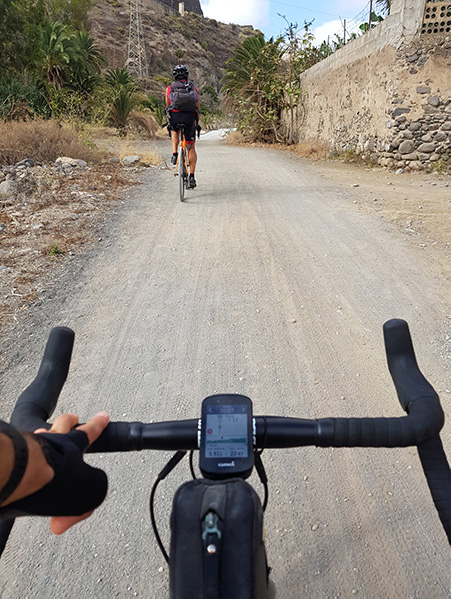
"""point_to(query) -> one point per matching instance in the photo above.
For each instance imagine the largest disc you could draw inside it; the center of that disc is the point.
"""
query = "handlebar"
(417, 397)
(37, 403)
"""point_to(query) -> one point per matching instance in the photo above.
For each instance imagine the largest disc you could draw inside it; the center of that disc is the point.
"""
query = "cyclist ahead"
(183, 106)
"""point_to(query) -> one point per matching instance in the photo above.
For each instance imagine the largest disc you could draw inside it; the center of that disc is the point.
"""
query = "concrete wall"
(387, 94)
(172, 7)
(163, 7)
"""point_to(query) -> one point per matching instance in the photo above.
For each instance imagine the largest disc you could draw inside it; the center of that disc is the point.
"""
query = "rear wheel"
(181, 173)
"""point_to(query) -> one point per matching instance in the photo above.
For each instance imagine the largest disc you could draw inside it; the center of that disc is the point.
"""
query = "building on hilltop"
(172, 6)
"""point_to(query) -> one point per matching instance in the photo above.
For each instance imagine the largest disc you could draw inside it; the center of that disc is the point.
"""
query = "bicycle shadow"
(218, 197)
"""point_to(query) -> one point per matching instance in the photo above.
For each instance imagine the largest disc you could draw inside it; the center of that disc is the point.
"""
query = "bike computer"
(226, 448)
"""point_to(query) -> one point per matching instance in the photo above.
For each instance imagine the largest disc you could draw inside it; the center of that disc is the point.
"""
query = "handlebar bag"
(217, 549)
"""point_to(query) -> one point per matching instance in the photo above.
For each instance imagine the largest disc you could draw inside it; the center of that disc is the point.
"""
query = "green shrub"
(443, 164)
(19, 100)
(55, 250)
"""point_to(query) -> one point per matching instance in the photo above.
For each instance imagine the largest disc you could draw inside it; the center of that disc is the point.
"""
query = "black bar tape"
(365, 432)
(409, 382)
(5, 529)
(119, 436)
(136, 436)
(37, 403)
(438, 475)
(424, 421)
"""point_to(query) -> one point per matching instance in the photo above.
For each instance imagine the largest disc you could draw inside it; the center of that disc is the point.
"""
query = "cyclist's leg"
(175, 135)
(190, 135)
(175, 139)
(192, 157)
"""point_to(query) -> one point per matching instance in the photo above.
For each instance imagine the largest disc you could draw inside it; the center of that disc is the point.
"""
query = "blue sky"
(328, 15)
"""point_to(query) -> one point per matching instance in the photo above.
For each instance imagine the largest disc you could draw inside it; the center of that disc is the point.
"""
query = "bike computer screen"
(226, 448)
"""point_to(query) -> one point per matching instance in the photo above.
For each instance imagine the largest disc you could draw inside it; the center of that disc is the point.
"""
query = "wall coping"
(402, 25)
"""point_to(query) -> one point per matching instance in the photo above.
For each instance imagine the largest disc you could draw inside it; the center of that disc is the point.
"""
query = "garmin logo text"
(227, 464)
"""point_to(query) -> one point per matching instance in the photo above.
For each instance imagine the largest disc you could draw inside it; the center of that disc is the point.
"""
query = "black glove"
(76, 488)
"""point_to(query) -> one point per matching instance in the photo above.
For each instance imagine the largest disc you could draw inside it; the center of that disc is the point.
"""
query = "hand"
(93, 429)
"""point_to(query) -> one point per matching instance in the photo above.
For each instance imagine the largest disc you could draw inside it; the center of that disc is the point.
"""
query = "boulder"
(8, 189)
(440, 136)
(71, 162)
(130, 160)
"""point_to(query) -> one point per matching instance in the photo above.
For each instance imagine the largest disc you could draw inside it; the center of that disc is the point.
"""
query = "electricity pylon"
(136, 59)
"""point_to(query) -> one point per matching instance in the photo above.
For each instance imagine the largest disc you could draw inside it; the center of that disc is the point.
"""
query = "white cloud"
(326, 30)
(241, 12)
(332, 28)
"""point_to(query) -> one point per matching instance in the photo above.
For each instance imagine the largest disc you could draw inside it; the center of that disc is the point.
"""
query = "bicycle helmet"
(180, 71)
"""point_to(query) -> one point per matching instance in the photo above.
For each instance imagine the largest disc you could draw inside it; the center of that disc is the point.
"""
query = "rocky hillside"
(202, 44)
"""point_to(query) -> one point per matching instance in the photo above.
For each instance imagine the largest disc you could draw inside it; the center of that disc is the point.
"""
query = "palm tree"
(126, 97)
(115, 77)
(90, 57)
(252, 84)
(59, 53)
(385, 5)
(241, 67)
(88, 63)
(124, 102)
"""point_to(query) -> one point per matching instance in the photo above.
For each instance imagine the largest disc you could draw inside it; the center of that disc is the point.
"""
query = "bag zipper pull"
(210, 528)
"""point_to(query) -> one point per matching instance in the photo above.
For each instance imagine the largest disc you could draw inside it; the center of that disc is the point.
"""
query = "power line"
(329, 14)
(352, 26)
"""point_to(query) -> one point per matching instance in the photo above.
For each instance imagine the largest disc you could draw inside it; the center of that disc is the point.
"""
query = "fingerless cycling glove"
(76, 488)
(20, 460)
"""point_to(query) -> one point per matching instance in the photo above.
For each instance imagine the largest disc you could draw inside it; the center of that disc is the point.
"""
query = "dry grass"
(235, 138)
(311, 149)
(306, 149)
(162, 133)
(144, 123)
(43, 141)
(107, 138)
(135, 147)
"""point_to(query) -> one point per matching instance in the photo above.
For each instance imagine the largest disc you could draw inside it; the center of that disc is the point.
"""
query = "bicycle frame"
(182, 165)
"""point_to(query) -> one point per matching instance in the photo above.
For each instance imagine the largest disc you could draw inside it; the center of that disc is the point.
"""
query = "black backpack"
(183, 96)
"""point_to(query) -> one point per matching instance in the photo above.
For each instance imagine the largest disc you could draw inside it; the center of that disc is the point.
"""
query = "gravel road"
(266, 281)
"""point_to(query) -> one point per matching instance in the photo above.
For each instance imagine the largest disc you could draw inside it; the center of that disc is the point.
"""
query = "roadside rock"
(8, 189)
(130, 160)
(72, 162)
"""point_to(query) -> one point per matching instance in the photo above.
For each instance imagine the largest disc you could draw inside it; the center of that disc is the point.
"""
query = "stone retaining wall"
(419, 142)
(386, 95)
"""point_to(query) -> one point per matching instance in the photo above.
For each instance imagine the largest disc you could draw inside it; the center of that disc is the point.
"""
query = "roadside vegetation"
(262, 79)
(55, 84)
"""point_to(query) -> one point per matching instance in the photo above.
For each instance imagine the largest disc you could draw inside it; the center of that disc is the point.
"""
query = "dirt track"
(273, 279)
